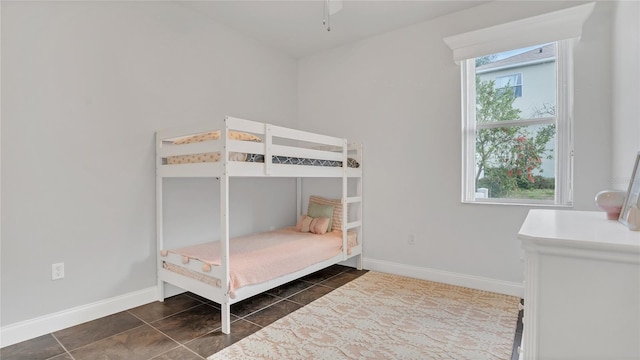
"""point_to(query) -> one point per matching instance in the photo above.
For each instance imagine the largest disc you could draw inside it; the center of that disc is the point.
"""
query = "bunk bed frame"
(276, 141)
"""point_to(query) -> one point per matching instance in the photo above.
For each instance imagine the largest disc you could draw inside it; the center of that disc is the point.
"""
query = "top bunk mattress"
(257, 158)
(246, 157)
(257, 258)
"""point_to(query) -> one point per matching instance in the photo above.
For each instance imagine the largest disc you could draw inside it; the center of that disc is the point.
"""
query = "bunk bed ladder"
(346, 200)
(359, 211)
(358, 223)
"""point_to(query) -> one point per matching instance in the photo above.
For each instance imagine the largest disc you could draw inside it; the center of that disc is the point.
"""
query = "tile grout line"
(63, 347)
(168, 316)
(195, 297)
(295, 293)
(238, 318)
(116, 334)
(195, 353)
(162, 333)
(124, 331)
(108, 337)
(288, 298)
(262, 308)
(320, 283)
(180, 344)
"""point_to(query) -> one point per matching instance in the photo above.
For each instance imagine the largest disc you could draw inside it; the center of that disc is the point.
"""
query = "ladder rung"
(354, 199)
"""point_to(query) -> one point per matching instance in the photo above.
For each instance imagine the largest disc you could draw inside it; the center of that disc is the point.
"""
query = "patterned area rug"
(383, 316)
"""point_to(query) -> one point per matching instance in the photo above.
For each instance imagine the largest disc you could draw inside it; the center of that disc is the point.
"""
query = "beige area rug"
(383, 316)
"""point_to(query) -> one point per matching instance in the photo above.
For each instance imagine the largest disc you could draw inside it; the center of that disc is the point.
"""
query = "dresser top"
(577, 229)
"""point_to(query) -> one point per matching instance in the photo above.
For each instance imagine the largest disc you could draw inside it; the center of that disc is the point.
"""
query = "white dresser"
(582, 287)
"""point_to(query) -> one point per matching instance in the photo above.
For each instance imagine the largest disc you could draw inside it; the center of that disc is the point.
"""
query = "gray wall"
(399, 93)
(84, 87)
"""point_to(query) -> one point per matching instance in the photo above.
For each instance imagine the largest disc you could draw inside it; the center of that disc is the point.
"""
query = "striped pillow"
(336, 220)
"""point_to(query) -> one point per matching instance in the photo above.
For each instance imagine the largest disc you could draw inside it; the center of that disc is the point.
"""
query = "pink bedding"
(260, 257)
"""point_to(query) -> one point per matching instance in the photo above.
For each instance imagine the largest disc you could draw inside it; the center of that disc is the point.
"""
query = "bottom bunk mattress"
(258, 258)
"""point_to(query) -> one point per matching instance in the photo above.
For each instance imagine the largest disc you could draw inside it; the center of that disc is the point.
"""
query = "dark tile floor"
(184, 327)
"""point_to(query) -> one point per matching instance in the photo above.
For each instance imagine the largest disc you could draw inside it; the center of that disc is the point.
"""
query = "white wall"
(85, 85)
(626, 91)
(399, 93)
(71, 70)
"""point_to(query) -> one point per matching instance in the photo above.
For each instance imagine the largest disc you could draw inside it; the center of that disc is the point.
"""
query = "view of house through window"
(509, 83)
(512, 129)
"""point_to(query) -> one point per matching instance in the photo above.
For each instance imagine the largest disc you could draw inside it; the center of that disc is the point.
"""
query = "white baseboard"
(470, 281)
(29, 329)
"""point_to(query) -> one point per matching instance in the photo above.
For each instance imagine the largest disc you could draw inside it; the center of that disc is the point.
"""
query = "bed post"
(159, 220)
(298, 198)
(360, 206)
(224, 233)
(343, 200)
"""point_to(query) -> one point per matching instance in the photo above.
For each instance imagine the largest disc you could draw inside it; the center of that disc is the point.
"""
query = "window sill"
(516, 203)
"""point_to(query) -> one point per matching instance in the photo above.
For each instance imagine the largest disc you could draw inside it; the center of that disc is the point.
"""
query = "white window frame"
(563, 193)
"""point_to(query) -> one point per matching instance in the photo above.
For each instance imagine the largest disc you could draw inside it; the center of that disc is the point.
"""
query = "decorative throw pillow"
(317, 210)
(303, 223)
(309, 224)
(336, 219)
(352, 163)
(319, 225)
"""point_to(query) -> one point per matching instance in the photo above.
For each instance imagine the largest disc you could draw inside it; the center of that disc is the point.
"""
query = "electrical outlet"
(411, 240)
(57, 271)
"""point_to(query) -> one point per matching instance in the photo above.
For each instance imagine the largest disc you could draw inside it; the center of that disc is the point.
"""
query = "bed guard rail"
(274, 141)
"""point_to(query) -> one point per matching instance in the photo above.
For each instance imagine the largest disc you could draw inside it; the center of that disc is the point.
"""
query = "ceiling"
(295, 26)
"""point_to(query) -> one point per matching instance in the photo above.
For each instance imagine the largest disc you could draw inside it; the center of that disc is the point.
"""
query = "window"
(523, 143)
(517, 146)
(511, 82)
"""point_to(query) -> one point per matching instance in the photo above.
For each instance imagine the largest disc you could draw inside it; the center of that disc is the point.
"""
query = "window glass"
(511, 83)
(511, 133)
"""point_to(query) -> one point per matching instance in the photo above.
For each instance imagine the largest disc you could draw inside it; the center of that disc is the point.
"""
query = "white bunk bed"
(271, 151)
